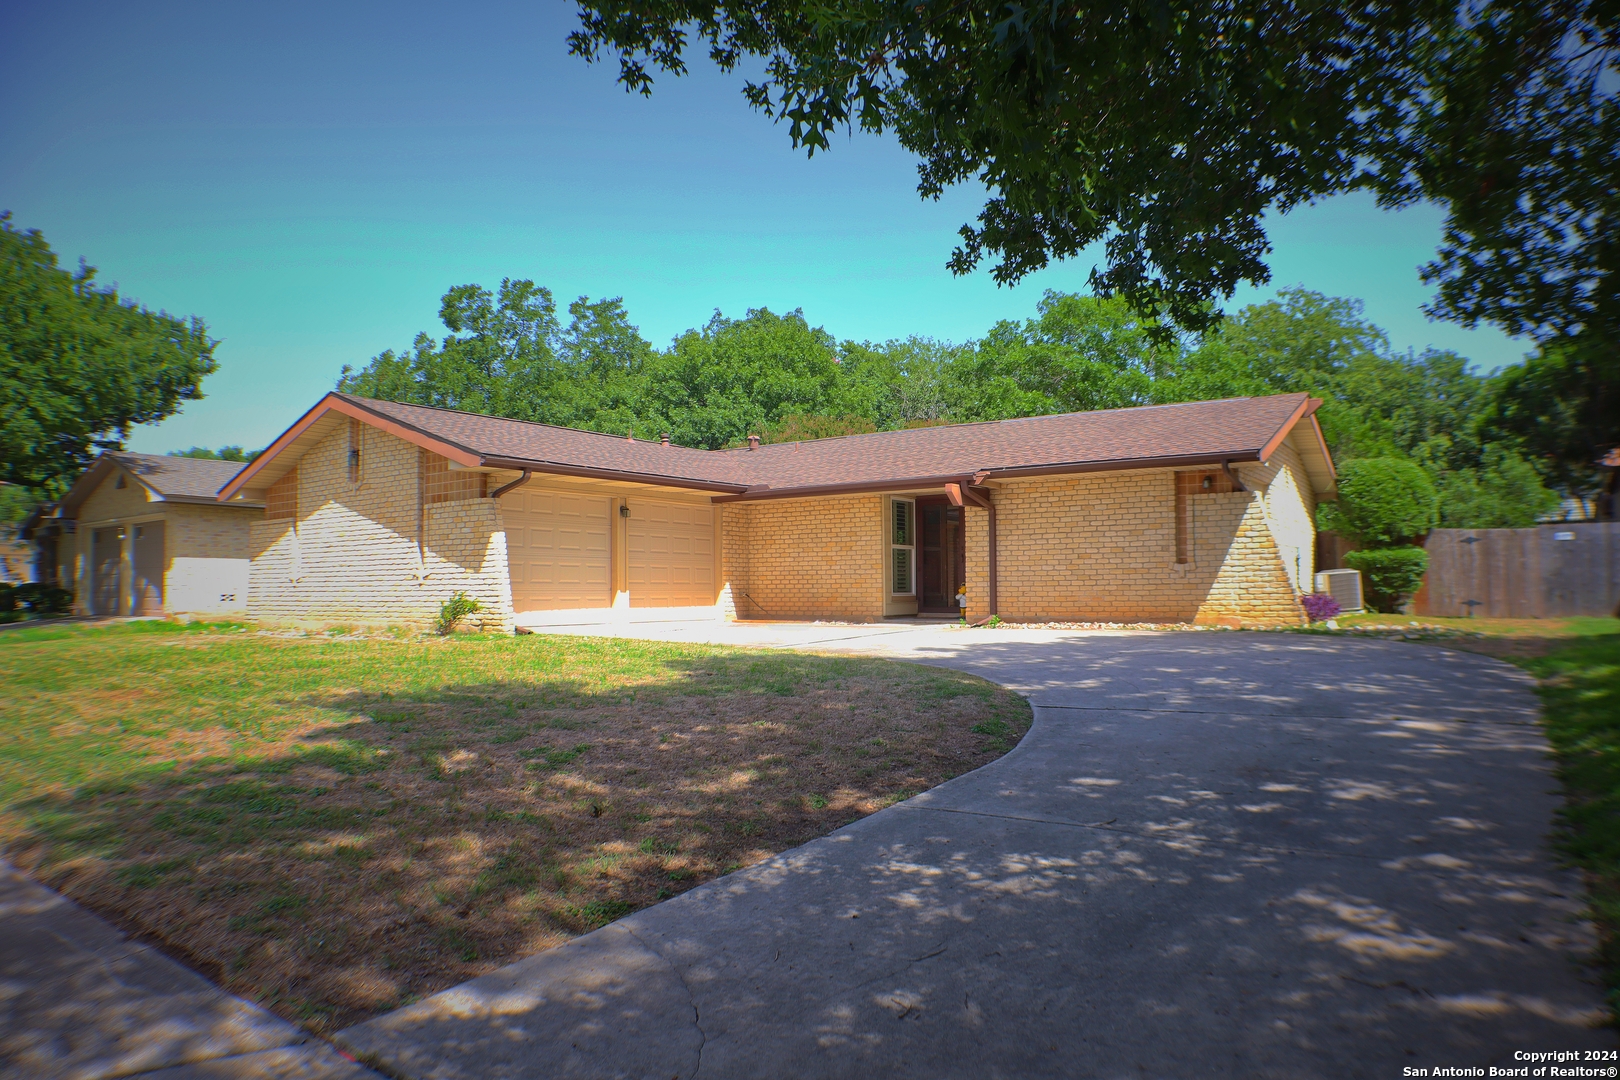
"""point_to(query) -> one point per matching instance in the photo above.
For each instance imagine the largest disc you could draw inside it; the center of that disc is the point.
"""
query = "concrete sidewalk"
(79, 1001)
(1214, 855)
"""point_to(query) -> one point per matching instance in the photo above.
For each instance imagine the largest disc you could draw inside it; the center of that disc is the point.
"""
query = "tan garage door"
(671, 554)
(557, 547)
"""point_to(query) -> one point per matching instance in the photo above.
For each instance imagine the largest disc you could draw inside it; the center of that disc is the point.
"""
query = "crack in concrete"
(697, 1014)
(910, 963)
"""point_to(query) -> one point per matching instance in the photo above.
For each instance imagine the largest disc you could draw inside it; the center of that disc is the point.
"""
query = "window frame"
(909, 547)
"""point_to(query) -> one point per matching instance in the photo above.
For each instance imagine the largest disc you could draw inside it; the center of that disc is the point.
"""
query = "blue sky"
(310, 178)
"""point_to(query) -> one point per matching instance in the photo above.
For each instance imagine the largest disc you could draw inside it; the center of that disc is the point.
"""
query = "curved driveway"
(1215, 854)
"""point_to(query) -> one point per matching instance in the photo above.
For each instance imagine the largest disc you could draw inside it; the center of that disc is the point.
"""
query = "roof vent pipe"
(663, 440)
(753, 442)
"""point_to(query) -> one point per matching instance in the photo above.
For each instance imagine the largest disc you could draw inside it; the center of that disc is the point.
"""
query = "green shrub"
(1389, 576)
(453, 610)
(8, 597)
(42, 599)
(1382, 502)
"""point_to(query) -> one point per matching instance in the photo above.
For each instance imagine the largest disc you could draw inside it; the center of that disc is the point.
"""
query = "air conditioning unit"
(1344, 586)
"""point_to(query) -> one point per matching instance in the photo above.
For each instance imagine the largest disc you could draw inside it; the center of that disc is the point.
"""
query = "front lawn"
(1508, 639)
(1580, 696)
(336, 827)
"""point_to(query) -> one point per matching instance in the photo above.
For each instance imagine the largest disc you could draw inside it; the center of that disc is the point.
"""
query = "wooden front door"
(941, 555)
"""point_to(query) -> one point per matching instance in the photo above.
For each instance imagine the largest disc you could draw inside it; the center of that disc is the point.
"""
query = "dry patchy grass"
(339, 827)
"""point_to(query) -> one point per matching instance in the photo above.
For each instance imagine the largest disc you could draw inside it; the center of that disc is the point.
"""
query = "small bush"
(1382, 502)
(453, 610)
(1389, 575)
(8, 597)
(1320, 607)
(42, 599)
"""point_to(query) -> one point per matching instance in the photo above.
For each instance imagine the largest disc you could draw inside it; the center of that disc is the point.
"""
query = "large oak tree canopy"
(79, 365)
(1166, 129)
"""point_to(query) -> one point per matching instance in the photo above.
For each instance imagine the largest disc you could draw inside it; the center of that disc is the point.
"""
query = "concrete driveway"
(1215, 854)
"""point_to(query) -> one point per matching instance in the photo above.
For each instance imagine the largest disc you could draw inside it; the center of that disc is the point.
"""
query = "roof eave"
(338, 403)
(210, 500)
(1176, 461)
(850, 487)
(623, 475)
(978, 476)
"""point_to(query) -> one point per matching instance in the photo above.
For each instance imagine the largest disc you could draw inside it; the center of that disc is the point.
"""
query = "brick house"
(376, 512)
(144, 534)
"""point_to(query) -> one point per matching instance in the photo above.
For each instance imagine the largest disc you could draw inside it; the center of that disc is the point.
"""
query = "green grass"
(333, 825)
(1580, 695)
(1574, 626)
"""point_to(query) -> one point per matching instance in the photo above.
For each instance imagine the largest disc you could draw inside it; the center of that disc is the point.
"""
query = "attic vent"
(121, 482)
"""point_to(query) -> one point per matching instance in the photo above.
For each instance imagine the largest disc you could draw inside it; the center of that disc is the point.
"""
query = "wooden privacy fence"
(1546, 572)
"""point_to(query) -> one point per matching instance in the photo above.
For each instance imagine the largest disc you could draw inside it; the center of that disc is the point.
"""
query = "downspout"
(982, 500)
(519, 482)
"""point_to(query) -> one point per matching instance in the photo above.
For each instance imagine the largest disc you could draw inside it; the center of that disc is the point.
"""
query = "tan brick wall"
(109, 501)
(1102, 547)
(352, 553)
(806, 558)
(1291, 513)
(206, 549)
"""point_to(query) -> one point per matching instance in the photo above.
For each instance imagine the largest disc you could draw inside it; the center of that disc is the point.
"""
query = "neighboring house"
(16, 562)
(377, 512)
(143, 534)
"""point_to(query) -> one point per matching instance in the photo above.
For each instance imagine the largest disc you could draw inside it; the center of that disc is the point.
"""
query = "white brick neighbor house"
(376, 512)
(143, 534)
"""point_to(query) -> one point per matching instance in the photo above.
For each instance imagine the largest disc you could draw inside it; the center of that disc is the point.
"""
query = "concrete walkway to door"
(1215, 854)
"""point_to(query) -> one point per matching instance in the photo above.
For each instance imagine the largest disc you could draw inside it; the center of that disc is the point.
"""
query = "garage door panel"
(558, 548)
(671, 555)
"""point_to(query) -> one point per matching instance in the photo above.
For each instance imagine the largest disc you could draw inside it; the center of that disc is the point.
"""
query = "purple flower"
(1320, 607)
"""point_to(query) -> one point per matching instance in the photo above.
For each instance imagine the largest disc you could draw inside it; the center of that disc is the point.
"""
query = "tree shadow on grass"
(407, 841)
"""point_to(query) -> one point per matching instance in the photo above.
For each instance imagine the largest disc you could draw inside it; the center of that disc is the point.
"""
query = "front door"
(941, 555)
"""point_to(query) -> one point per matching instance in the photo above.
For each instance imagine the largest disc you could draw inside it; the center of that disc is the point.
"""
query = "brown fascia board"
(609, 474)
(851, 487)
(461, 455)
(1126, 464)
(1306, 408)
(335, 402)
(855, 487)
(1321, 444)
(209, 500)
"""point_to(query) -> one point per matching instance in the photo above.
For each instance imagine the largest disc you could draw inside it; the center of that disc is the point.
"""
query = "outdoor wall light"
(624, 511)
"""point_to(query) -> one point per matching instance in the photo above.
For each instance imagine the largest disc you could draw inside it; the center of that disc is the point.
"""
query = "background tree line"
(509, 353)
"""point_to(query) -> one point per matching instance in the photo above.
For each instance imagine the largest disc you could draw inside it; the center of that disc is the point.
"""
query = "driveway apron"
(1214, 854)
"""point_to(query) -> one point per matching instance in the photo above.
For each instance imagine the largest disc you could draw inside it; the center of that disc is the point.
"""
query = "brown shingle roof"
(179, 477)
(541, 444)
(1201, 432)
(1238, 429)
